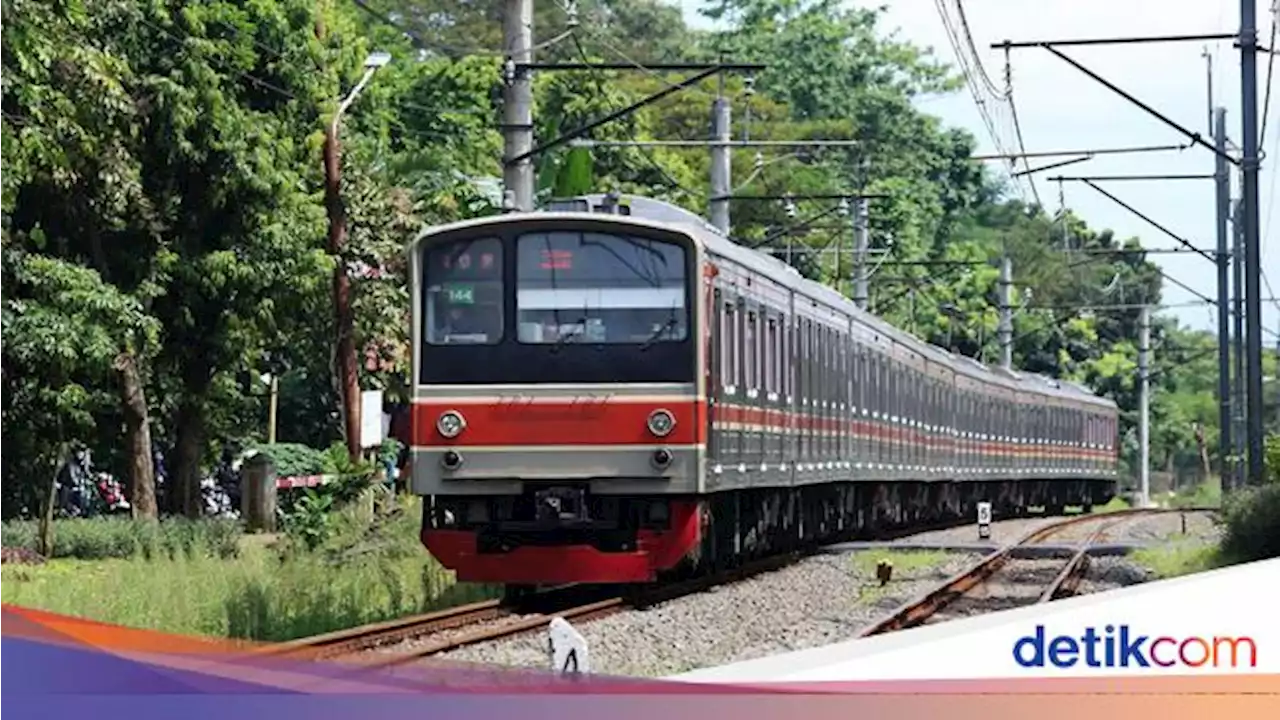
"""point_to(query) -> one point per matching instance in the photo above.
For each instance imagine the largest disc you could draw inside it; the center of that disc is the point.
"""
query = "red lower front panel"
(560, 564)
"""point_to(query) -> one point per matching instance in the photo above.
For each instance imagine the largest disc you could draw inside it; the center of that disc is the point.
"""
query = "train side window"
(730, 338)
(859, 377)
(784, 359)
(802, 359)
(881, 385)
(750, 347)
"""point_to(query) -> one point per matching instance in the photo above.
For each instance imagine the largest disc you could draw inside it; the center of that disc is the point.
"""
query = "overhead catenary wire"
(676, 186)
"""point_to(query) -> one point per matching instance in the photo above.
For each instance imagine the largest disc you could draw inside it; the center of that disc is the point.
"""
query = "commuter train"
(611, 391)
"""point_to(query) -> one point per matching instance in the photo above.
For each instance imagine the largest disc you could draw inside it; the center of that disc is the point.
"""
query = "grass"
(367, 572)
(1179, 558)
(1206, 494)
(1116, 504)
(118, 537)
(907, 565)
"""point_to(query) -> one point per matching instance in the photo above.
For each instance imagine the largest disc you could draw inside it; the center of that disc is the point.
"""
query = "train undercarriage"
(559, 535)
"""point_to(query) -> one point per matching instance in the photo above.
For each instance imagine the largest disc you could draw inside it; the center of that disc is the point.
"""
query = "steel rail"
(915, 612)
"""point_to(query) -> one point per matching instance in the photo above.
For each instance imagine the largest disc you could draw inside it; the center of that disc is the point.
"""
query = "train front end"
(557, 428)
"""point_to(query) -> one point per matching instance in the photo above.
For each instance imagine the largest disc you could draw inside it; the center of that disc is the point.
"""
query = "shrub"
(1252, 519)
(295, 460)
(1271, 458)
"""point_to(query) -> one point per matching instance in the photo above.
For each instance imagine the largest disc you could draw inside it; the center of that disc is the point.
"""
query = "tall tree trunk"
(1205, 468)
(189, 429)
(45, 537)
(141, 477)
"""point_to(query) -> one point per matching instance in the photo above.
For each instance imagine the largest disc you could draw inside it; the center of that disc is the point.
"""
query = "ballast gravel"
(818, 601)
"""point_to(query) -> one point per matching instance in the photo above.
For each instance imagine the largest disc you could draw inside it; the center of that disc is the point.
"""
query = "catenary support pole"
(1144, 404)
(1237, 342)
(862, 242)
(1222, 182)
(721, 164)
(1252, 260)
(517, 106)
(1006, 313)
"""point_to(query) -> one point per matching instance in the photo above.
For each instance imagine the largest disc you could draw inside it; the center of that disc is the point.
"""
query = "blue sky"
(1060, 108)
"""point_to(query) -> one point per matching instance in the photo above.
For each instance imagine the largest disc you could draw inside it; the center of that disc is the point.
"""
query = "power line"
(994, 97)
(968, 37)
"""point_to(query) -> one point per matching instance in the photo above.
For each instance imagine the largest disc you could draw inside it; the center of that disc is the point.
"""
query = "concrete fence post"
(258, 493)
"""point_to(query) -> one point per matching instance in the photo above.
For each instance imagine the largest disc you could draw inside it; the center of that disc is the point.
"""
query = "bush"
(367, 565)
(1252, 520)
(1271, 458)
(295, 460)
(114, 537)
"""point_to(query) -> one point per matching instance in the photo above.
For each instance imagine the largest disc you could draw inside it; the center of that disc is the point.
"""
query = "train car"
(611, 391)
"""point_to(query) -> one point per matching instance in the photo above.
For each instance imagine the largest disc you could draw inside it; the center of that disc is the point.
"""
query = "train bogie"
(608, 398)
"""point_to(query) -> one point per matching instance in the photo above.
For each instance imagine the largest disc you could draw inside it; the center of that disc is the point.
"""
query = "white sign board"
(984, 520)
(371, 418)
(568, 649)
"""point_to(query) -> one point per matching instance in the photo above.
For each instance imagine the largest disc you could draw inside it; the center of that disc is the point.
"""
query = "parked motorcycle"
(81, 492)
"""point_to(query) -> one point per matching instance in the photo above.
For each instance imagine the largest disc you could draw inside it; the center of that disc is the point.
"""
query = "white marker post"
(568, 649)
(984, 520)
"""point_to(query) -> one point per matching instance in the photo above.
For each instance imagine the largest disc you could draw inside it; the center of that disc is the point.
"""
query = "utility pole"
(1222, 181)
(862, 242)
(1208, 58)
(272, 409)
(1252, 258)
(721, 164)
(345, 349)
(517, 106)
(1237, 389)
(1006, 313)
(1144, 403)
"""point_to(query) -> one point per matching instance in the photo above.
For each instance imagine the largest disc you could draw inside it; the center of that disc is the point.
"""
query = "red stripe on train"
(561, 422)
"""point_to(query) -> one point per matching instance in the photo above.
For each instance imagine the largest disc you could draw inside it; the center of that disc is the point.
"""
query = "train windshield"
(464, 293)
(597, 288)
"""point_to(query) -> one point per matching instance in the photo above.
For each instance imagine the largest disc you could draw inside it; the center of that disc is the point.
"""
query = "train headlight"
(450, 423)
(661, 423)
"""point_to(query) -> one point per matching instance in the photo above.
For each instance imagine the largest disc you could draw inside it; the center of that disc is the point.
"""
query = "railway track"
(495, 620)
(1002, 580)
(492, 620)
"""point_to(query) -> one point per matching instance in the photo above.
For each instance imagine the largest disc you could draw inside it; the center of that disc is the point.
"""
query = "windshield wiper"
(564, 338)
(670, 323)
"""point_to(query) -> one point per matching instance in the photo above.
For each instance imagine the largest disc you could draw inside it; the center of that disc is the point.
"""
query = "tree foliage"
(163, 201)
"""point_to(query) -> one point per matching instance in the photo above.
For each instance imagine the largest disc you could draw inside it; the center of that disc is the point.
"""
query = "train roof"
(648, 212)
